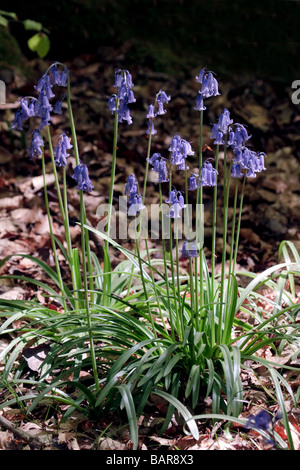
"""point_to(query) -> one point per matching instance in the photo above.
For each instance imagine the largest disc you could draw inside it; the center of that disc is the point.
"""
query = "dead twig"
(33, 442)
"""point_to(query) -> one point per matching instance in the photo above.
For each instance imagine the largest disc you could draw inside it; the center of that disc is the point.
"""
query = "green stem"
(87, 306)
(225, 224)
(213, 254)
(200, 202)
(113, 172)
(165, 266)
(64, 217)
(77, 159)
(52, 236)
(239, 225)
(214, 224)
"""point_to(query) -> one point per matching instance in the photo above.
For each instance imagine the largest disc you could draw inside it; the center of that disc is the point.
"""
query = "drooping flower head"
(24, 112)
(160, 98)
(236, 171)
(248, 160)
(81, 176)
(221, 128)
(199, 103)
(41, 107)
(193, 182)
(60, 151)
(119, 102)
(209, 84)
(176, 202)
(135, 200)
(238, 137)
(189, 250)
(159, 165)
(208, 176)
(180, 149)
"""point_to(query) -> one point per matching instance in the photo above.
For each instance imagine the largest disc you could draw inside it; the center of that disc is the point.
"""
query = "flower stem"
(87, 306)
(52, 236)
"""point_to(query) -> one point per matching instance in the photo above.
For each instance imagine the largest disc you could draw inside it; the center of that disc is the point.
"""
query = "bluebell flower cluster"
(244, 158)
(236, 136)
(180, 149)
(221, 128)
(119, 102)
(24, 112)
(160, 99)
(159, 165)
(41, 107)
(81, 176)
(189, 250)
(135, 200)
(208, 177)
(209, 87)
(60, 151)
(176, 202)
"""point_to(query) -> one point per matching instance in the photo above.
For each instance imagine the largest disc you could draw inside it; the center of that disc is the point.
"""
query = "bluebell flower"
(224, 121)
(189, 250)
(131, 185)
(36, 144)
(193, 182)
(81, 176)
(153, 158)
(151, 130)
(219, 139)
(135, 204)
(261, 161)
(151, 114)
(44, 86)
(162, 171)
(180, 149)
(24, 112)
(135, 200)
(209, 84)
(162, 98)
(221, 128)
(125, 96)
(236, 171)
(239, 137)
(199, 103)
(159, 165)
(60, 151)
(175, 211)
(58, 78)
(208, 176)
(124, 111)
(112, 103)
(249, 160)
(176, 201)
(57, 108)
(172, 199)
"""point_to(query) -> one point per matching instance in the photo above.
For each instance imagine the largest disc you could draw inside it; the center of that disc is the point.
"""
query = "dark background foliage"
(259, 38)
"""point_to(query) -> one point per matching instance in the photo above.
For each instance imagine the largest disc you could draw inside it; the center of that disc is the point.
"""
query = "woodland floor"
(271, 214)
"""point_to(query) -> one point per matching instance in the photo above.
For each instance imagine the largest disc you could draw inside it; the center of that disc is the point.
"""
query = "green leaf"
(32, 25)
(3, 21)
(40, 44)
(182, 410)
(9, 14)
(131, 413)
